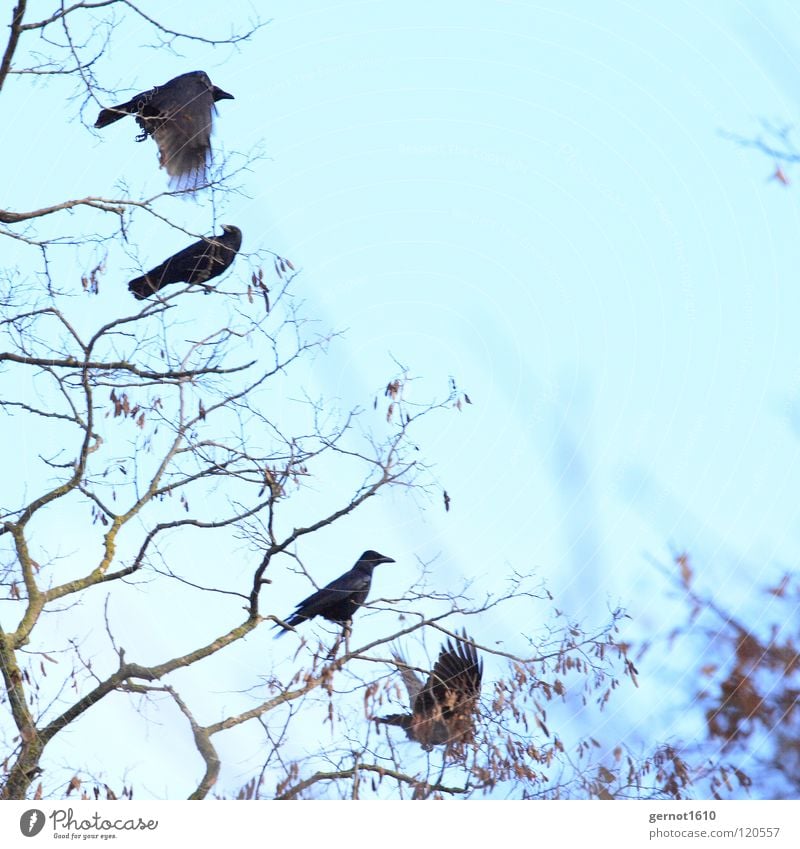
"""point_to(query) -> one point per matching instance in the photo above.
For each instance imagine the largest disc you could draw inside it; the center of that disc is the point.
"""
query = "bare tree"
(167, 470)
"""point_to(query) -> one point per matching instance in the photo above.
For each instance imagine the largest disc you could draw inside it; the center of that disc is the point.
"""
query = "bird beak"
(387, 560)
(219, 94)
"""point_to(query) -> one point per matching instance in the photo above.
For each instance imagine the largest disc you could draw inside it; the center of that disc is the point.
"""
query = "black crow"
(443, 708)
(198, 263)
(178, 116)
(341, 598)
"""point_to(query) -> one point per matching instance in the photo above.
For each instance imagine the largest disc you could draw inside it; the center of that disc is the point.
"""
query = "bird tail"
(403, 720)
(286, 627)
(142, 287)
(112, 114)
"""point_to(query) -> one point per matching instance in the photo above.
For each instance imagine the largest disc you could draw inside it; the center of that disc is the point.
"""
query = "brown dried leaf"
(687, 573)
(605, 775)
(780, 590)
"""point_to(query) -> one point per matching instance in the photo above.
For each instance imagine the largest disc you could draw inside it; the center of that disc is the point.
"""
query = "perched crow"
(198, 263)
(340, 599)
(442, 709)
(178, 116)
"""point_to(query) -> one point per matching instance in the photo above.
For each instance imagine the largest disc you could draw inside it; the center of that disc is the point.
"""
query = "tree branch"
(204, 746)
(421, 788)
(16, 28)
(121, 365)
(117, 207)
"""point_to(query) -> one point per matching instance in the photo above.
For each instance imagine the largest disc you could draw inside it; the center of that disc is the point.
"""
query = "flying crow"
(178, 116)
(443, 708)
(198, 263)
(341, 598)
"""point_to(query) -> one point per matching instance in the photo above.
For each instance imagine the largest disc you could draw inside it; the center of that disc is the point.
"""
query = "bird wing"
(352, 583)
(183, 135)
(205, 259)
(178, 268)
(219, 254)
(210, 259)
(412, 682)
(451, 693)
(457, 673)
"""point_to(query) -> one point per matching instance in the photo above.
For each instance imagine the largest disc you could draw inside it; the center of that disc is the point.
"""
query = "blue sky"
(536, 199)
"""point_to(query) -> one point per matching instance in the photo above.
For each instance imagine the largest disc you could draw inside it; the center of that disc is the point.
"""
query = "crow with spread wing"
(443, 708)
(198, 263)
(178, 115)
(341, 598)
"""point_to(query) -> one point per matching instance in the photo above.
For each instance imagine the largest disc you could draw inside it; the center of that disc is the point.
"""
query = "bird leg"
(147, 129)
(343, 637)
(334, 648)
